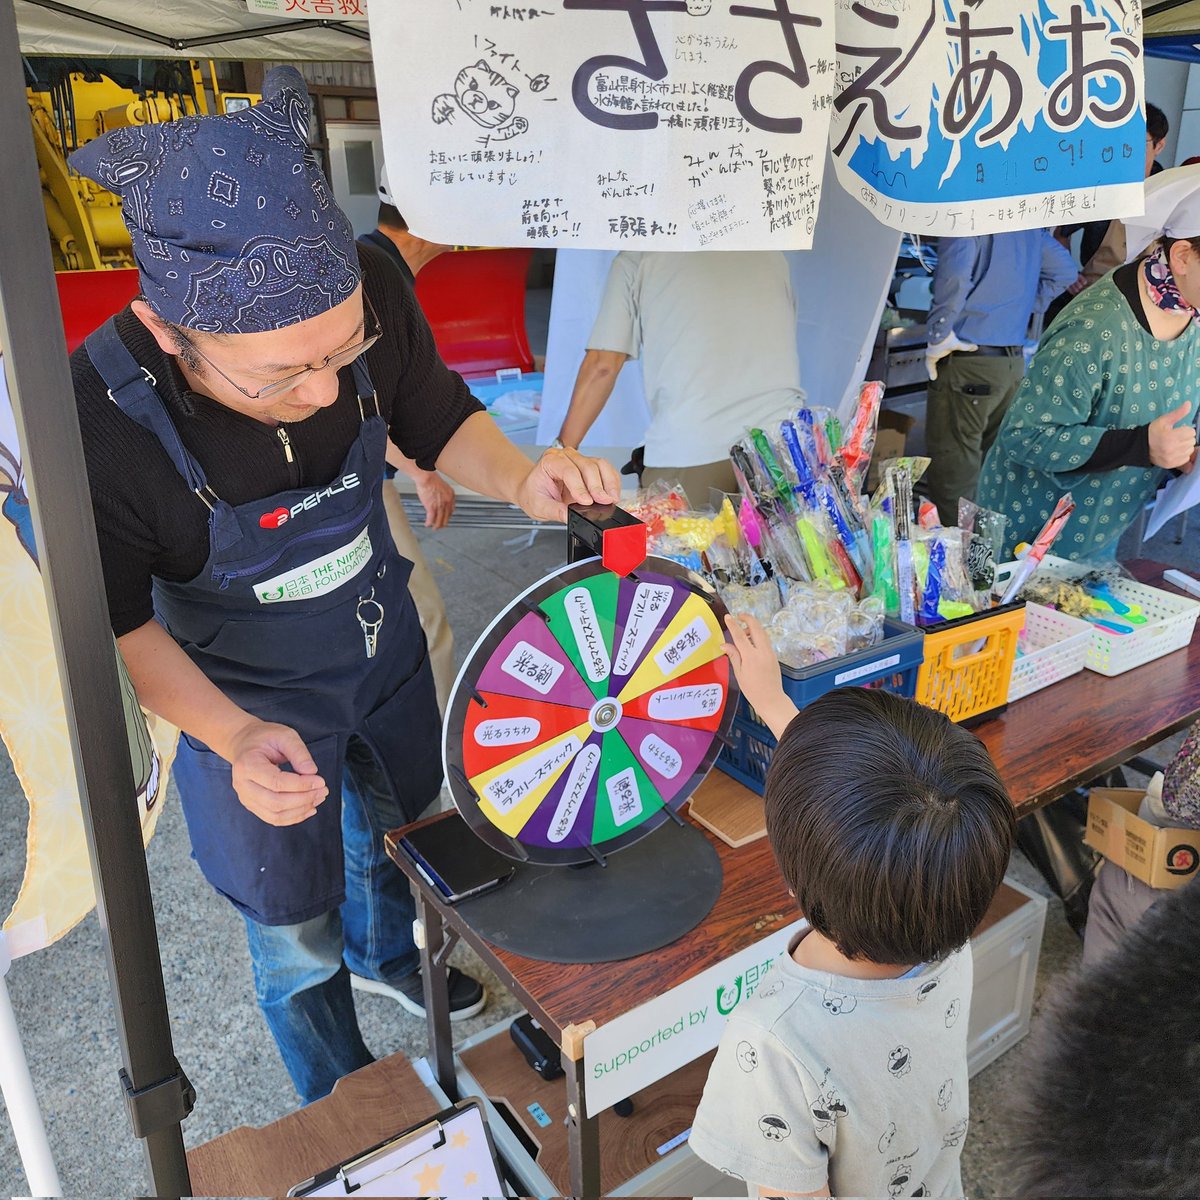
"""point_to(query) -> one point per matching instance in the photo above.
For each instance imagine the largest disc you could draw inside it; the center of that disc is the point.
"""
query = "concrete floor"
(63, 1004)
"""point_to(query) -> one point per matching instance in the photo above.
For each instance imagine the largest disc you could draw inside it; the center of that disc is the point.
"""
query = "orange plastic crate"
(969, 662)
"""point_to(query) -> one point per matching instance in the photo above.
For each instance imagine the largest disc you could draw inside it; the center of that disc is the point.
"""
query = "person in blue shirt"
(985, 291)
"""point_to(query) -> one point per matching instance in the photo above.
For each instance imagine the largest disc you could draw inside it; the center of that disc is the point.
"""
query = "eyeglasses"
(342, 358)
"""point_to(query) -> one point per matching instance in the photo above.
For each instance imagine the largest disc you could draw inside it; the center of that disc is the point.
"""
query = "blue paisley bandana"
(234, 227)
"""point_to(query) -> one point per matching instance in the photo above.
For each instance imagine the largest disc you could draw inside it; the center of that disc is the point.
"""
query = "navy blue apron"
(297, 589)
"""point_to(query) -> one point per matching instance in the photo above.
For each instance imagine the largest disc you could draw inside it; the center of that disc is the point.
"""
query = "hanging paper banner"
(57, 891)
(311, 10)
(606, 124)
(959, 117)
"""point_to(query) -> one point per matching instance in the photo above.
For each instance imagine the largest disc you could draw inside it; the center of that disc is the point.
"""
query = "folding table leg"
(583, 1132)
(433, 946)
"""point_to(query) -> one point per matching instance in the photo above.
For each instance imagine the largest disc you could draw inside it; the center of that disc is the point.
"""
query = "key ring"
(365, 602)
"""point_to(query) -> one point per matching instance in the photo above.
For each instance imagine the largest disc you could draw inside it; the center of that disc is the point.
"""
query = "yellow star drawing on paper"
(460, 1140)
(470, 1179)
(429, 1179)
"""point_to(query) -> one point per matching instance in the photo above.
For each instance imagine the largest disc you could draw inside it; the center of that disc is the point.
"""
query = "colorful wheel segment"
(589, 711)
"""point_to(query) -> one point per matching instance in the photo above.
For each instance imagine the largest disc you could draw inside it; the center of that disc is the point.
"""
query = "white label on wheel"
(581, 612)
(683, 646)
(624, 797)
(506, 791)
(650, 601)
(663, 758)
(685, 703)
(583, 770)
(512, 732)
(532, 667)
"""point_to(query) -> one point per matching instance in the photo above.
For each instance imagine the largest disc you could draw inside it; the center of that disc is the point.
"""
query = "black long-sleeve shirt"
(148, 522)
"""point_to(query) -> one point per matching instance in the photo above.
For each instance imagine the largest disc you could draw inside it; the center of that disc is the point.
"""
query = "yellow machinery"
(70, 108)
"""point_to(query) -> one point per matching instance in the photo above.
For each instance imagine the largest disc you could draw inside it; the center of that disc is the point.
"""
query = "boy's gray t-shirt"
(861, 1084)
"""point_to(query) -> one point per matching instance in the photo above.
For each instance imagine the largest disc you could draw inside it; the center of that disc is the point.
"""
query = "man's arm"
(1057, 272)
(170, 684)
(593, 386)
(951, 286)
(480, 457)
(435, 494)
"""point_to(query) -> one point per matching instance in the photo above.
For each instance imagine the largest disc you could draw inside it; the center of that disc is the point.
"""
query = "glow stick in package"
(855, 453)
(1042, 543)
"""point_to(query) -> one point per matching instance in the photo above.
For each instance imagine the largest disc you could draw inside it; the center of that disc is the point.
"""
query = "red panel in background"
(475, 302)
(89, 298)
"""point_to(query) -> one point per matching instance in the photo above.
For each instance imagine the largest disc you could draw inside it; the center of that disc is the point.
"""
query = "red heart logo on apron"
(273, 520)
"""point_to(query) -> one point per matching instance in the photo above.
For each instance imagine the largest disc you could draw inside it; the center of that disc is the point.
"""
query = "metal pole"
(16, 1085)
(31, 332)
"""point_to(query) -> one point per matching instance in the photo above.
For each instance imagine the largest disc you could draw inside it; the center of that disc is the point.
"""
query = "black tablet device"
(453, 860)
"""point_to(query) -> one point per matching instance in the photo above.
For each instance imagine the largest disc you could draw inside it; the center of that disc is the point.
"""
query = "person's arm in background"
(615, 338)
(436, 495)
(1058, 272)
(593, 386)
(951, 286)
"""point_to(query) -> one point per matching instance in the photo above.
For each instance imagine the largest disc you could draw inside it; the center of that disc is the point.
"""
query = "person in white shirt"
(716, 335)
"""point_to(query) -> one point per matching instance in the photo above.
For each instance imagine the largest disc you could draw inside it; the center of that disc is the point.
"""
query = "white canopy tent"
(179, 28)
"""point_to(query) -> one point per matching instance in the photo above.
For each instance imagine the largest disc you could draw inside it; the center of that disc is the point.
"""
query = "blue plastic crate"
(892, 665)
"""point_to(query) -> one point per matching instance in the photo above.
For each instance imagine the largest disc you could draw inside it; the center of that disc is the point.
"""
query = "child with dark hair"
(846, 1073)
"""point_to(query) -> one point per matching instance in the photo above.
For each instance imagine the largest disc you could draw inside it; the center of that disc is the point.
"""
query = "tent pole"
(31, 331)
(16, 1086)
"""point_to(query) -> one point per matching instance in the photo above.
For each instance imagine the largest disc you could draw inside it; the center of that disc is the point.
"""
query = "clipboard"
(451, 1154)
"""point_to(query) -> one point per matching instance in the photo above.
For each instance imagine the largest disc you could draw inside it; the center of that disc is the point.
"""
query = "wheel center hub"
(605, 714)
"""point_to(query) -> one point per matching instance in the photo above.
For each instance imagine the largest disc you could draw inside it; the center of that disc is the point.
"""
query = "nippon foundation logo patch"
(281, 516)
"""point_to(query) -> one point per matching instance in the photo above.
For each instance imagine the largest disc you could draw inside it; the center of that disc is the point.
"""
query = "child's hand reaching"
(757, 670)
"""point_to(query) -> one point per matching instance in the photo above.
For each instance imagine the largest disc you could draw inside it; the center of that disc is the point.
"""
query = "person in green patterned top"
(1110, 399)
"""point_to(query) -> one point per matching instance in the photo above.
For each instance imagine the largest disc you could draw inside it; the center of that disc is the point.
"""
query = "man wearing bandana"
(235, 419)
(1109, 402)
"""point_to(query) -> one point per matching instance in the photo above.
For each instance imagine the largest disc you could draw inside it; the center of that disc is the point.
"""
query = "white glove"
(936, 351)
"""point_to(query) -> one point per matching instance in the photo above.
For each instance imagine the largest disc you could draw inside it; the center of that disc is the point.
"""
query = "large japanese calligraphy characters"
(703, 124)
(588, 711)
(977, 116)
(637, 124)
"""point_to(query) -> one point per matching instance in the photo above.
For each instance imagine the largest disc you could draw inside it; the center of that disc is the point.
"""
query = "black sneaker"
(467, 995)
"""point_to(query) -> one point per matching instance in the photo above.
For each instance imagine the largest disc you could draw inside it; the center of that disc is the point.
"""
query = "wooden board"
(365, 1108)
(728, 809)
(629, 1144)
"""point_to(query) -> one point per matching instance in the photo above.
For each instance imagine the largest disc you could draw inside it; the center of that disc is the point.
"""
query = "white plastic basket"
(1170, 621)
(1052, 646)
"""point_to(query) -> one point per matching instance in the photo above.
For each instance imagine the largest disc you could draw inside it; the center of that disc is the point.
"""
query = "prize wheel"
(589, 710)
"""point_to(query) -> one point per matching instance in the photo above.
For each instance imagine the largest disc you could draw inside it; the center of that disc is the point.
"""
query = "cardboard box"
(890, 437)
(1163, 858)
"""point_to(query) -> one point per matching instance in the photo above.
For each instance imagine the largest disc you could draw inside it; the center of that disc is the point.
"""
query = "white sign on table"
(672, 125)
(672, 1030)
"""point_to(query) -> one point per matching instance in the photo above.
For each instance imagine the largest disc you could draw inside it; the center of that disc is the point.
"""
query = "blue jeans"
(302, 972)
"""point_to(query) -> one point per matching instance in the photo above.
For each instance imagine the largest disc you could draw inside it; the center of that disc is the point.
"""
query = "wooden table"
(1057, 739)
(365, 1108)
(1044, 745)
